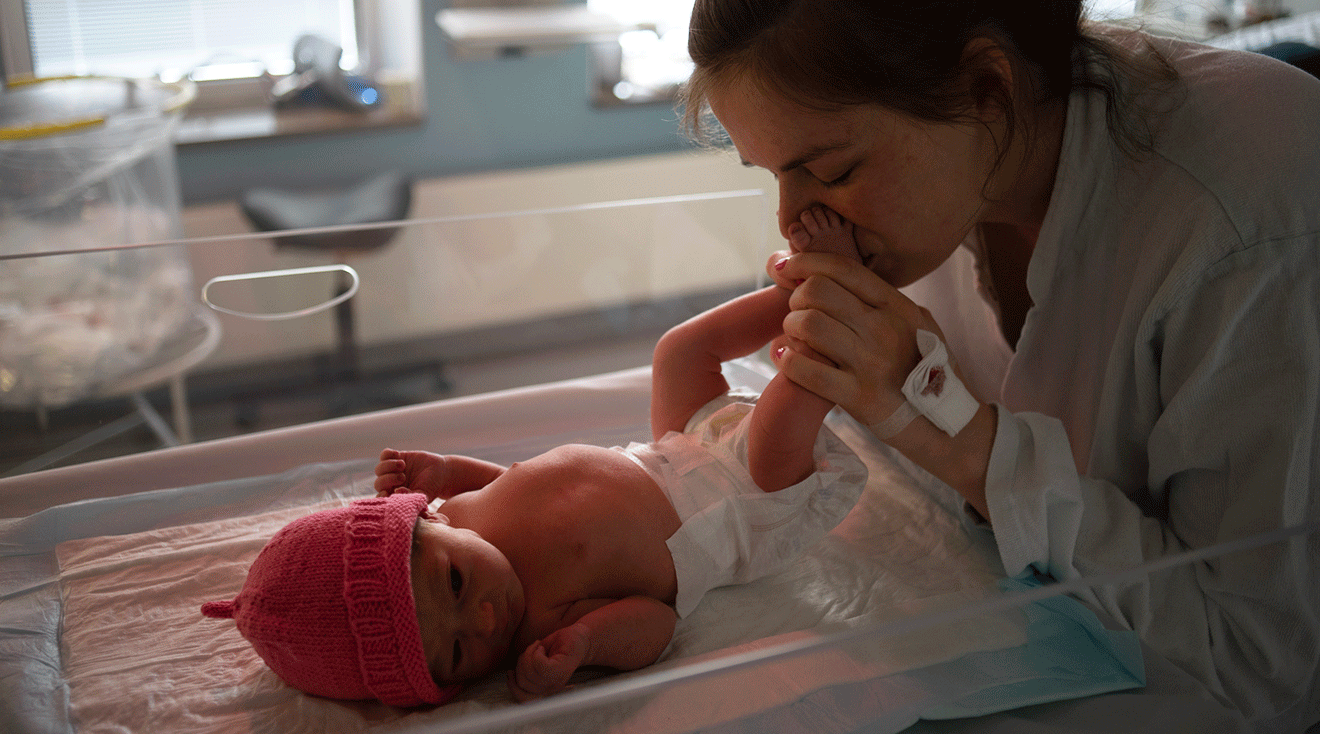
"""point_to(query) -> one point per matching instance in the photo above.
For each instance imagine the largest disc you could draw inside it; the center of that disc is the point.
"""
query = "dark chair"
(386, 197)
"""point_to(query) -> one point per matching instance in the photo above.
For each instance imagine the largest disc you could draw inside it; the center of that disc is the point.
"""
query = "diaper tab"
(935, 390)
(684, 454)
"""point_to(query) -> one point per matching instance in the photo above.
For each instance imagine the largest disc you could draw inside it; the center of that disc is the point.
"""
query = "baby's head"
(328, 605)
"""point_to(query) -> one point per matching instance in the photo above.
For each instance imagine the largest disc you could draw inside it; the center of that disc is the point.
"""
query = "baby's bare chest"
(597, 549)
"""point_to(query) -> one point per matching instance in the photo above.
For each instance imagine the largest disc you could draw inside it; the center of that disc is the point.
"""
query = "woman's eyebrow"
(812, 154)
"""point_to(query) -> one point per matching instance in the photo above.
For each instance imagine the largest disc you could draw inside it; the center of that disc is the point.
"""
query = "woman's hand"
(862, 325)
(867, 331)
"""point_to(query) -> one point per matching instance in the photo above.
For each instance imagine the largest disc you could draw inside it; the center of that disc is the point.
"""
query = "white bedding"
(135, 654)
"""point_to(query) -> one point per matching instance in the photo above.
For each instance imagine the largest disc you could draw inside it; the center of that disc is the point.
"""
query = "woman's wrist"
(959, 461)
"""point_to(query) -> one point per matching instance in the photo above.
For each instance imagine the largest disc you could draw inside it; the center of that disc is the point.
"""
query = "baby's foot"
(823, 230)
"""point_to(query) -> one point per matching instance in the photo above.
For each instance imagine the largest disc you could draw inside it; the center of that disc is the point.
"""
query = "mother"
(1119, 238)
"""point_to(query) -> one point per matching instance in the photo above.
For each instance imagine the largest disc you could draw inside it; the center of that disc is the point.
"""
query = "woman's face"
(913, 190)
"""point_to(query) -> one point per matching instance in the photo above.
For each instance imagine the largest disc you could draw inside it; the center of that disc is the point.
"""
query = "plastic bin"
(86, 166)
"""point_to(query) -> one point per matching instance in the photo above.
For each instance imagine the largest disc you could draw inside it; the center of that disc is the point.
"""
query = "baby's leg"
(822, 230)
(788, 416)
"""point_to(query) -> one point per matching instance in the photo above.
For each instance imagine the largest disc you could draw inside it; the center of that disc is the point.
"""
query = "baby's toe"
(798, 237)
(814, 220)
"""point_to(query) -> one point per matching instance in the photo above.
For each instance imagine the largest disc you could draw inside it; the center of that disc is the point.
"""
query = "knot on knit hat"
(328, 605)
(218, 609)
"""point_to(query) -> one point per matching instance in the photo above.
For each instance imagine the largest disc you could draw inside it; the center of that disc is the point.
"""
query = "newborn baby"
(581, 556)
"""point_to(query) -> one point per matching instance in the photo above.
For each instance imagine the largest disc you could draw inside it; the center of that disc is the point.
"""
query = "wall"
(452, 276)
(482, 115)
(1194, 12)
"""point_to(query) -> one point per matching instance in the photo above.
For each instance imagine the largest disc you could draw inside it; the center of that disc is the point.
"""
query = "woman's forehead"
(780, 136)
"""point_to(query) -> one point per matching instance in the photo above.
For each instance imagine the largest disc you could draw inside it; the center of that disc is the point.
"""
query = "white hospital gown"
(1165, 392)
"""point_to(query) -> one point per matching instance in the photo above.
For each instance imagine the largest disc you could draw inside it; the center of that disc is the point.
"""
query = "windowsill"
(403, 106)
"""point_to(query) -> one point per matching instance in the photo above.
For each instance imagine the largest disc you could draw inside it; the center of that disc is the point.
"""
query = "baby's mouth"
(507, 623)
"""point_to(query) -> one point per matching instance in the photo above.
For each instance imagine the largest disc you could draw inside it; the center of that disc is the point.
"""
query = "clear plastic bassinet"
(87, 167)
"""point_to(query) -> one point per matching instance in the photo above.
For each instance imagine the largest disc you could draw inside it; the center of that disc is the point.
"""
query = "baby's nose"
(483, 621)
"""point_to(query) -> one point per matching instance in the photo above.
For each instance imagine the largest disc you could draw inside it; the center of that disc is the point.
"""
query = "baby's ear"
(439, 517)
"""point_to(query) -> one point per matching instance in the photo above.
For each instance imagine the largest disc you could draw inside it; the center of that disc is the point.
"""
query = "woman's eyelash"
(458, 656)
(840, 180)
(455, 581)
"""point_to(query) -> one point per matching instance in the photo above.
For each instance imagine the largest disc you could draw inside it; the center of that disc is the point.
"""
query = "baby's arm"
(434, 475)
(685, 370)
(624, 634)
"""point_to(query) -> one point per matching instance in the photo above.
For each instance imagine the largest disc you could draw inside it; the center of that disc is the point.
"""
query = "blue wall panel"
(482, 115)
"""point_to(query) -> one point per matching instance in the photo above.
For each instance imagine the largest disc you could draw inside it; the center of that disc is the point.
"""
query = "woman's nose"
(792, 203)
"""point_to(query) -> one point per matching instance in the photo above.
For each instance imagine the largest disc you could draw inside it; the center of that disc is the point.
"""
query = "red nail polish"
(779, 353)
(780, 265)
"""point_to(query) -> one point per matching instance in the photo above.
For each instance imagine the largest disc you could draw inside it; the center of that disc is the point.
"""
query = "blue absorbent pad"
(1070, 654)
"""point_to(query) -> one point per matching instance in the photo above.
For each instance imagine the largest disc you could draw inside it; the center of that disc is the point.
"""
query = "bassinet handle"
(290, 272)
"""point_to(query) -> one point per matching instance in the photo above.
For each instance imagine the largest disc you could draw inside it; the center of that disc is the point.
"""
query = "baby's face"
(469, 601)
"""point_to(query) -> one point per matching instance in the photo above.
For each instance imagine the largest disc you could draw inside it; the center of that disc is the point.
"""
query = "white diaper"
(733, 532)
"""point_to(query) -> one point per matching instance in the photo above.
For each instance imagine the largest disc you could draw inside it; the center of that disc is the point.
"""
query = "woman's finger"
(872, 347)
(851, 307)
(853, 276)
(877, 350)
(784, 343)
(822, 334)
(834, 322)
(773, 268)
(820, 293)
(832, 383)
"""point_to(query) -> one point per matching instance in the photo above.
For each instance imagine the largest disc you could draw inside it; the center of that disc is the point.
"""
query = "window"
(1110, 9)
(643, 66)
(234, 49)
(171, 39)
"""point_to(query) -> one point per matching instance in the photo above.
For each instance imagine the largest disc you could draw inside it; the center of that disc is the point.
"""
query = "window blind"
(173, 37)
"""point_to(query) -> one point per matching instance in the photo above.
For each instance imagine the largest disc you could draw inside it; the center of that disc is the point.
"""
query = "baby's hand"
(545, 666)
(411, 471)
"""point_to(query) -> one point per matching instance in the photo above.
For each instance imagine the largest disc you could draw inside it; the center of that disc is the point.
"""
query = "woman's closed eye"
(458, 657)
(455, 582)
(839, 180)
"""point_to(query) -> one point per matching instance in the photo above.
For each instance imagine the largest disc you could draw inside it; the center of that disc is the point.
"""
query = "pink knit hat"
(328, 605)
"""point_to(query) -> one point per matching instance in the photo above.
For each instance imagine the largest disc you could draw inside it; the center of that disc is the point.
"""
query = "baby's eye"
(455, 581)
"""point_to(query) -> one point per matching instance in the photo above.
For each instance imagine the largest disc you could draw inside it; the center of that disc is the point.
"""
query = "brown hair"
(909, 57)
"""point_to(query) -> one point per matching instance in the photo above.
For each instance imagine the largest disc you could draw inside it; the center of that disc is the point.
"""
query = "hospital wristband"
(896, 422)
(934, 389)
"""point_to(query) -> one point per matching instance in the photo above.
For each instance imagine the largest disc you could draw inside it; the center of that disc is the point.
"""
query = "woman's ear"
(989, 79)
